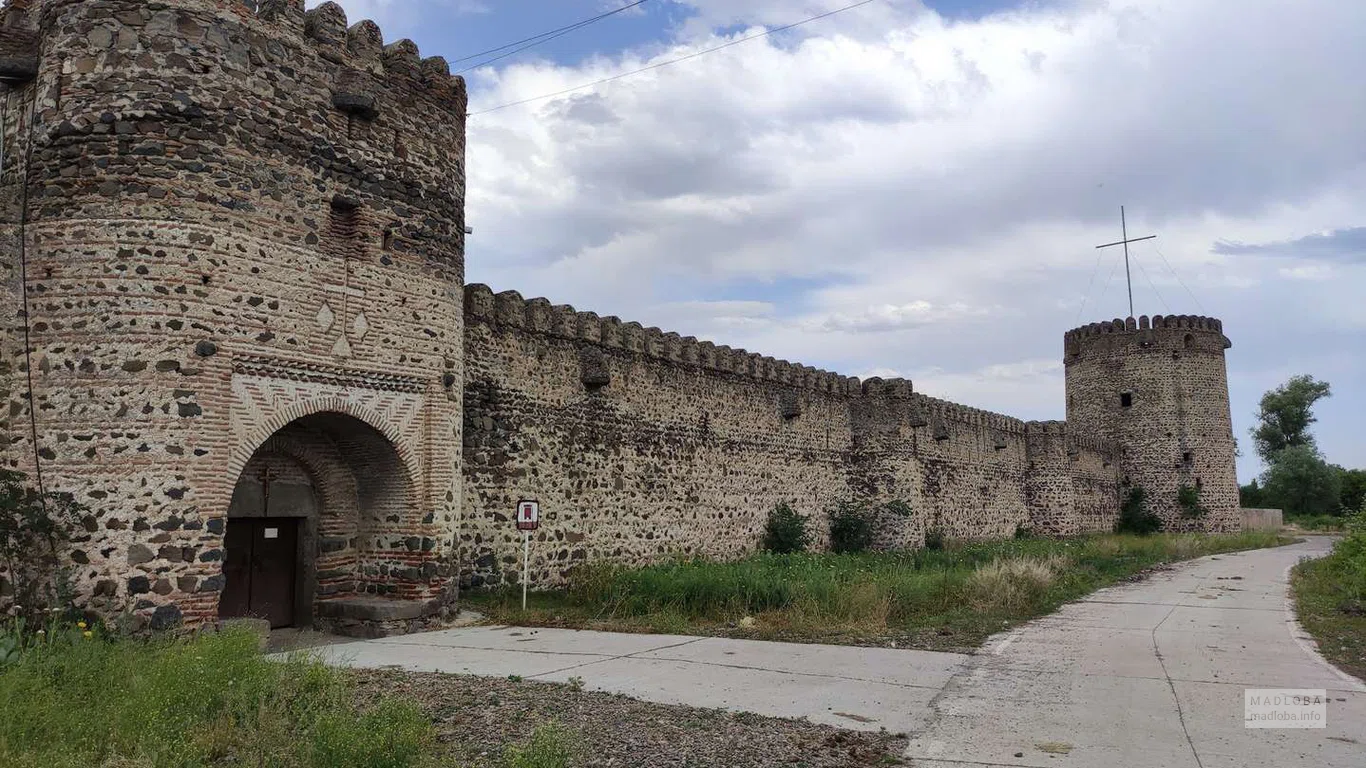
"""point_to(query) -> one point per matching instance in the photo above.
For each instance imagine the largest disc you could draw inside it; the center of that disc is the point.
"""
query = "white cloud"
(1314, 272)
(891, 317)
(934, 188)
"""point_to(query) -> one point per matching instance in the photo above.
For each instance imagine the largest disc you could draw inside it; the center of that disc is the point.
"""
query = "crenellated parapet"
(1158, 333)
(284, 80)
(1054, 441)
(358, 47)
(361, 47)
(249, 107)
(1143, 323)
(539, 316)
(937, 411)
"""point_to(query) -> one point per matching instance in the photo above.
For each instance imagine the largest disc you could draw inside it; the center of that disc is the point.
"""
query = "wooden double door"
(260, 569)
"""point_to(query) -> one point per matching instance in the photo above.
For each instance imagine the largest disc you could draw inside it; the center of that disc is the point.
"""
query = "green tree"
(1300, 482)
(1285, 416)
(1250, 496)
(1353, 490)
(35, 529)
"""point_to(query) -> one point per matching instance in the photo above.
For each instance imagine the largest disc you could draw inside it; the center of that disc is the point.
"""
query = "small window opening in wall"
(1190, 340)
(1186, 458)
(345, 223)
(1126, 400)
(388, 241)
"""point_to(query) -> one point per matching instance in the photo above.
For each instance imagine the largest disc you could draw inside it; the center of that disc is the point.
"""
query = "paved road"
(1150, 674)
(1146, 674)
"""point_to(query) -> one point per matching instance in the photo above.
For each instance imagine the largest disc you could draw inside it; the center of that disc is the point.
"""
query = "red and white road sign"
(528, 515)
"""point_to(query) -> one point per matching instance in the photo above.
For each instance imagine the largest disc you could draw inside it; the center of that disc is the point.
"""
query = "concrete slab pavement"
(855, 688)
(1142, 675)
(1150, 674)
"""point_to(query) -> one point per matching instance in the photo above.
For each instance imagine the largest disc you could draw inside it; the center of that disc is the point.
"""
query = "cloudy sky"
(916, 188)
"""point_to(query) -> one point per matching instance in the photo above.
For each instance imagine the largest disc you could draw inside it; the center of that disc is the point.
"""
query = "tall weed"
(208, 701)
(550, 746)
(1013, 584)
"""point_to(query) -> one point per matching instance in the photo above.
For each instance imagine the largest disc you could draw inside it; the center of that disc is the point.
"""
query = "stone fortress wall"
(232, 293)
(642, 445)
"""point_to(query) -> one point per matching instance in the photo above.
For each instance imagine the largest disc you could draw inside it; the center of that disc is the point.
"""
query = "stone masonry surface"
(233, 222)
(233, 287)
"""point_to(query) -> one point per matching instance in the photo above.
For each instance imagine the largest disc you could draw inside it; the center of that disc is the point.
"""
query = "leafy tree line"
(1297, 478)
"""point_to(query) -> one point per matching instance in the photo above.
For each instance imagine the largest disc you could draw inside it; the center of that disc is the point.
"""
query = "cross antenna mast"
(1124, 230)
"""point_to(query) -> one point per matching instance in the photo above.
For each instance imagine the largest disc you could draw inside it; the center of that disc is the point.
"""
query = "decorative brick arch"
(371, 417)
(332, 482)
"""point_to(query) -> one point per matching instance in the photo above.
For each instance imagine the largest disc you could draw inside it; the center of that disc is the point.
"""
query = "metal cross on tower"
(1124, 228)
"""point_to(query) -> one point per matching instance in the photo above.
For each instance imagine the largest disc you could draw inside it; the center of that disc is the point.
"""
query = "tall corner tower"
(231, 304)
(1158, 390)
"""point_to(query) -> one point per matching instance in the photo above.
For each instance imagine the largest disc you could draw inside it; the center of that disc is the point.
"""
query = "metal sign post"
(526, 560)
(528, 520)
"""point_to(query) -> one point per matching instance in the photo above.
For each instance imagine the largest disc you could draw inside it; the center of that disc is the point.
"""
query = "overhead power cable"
(678, 60)
(1179, 281)
(1086, 297)
(1106, 289)
(565, 28)
(545, 37)
(1153, 285)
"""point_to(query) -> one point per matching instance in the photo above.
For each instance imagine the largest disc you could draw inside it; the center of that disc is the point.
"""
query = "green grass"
(1330, 598)
(1317, 522)
(551, 746)
(946, 599)
(70, 700)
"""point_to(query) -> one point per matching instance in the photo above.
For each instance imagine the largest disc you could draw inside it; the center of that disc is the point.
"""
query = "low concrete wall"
(1262, 519)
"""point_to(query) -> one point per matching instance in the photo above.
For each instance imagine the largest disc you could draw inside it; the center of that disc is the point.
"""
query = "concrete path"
(857, 688)
(1146, 674)
(1150, 674)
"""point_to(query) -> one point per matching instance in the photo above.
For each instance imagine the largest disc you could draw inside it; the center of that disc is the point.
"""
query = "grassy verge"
(1330, 598)
(69, 699)
(950, 599)
(1326, 523)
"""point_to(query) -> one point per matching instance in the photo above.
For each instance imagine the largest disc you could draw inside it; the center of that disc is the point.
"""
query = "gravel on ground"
(477, 718)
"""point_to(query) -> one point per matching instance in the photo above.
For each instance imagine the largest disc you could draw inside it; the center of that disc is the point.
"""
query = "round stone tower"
(231, 303)
(1158, 389)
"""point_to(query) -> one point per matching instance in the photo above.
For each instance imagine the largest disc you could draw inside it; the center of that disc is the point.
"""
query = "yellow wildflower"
(87, 634)
(81, 624)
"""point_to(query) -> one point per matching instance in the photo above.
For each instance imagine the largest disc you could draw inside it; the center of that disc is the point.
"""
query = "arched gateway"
(312, 516)
(325, 526)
